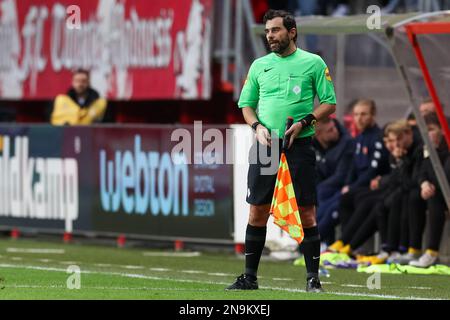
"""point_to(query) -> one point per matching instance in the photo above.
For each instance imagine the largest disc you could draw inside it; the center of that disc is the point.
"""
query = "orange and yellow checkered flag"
(284, 206)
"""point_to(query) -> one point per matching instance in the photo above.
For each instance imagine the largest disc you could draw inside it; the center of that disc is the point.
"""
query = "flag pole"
(289, 123)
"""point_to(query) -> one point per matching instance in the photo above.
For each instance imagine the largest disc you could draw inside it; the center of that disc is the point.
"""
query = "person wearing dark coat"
(431, 193)
(370, 160)
(334, 149)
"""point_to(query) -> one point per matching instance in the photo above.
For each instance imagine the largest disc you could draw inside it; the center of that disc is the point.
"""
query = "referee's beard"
(280, 46)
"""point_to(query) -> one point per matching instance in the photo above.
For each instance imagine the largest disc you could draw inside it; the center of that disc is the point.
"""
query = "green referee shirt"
(286, 86)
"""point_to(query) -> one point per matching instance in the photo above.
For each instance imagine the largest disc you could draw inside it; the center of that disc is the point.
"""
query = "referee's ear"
(293, 33)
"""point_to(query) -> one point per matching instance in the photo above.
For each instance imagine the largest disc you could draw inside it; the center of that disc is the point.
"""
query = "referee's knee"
(308, 216)
(259, 215)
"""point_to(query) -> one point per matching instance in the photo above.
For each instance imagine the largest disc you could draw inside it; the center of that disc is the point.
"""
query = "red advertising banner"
(134, 49)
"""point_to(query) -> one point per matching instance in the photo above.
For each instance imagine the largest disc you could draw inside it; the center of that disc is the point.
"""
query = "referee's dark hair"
(288, 19)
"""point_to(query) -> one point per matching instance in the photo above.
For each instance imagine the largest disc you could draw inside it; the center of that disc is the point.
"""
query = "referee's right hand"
(263, 135)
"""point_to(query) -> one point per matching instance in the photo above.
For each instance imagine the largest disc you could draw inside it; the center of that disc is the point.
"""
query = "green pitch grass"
(28, 272)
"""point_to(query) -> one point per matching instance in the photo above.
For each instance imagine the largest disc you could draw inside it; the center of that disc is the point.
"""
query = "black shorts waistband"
(300, 141)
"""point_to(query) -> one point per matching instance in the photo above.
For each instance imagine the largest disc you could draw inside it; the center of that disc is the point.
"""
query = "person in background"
(334, 152)
(432, 194)
(363, 223)
(393, 222)
(414, 208)
(341, 9)
(370, 160)
(82, 105)
(427, 106)
(306, 8)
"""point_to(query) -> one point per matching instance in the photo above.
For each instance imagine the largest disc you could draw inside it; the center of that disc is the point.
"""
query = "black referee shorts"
(301, 159)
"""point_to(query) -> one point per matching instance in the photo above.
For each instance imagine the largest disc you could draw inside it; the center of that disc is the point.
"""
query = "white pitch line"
(142, 276)
(159, 269)
(282, 279)
(69, 262)
(4, 265)
(44, 260)
(26, 286)
(219, 274)
(16, 258)
(147, 288)
(35, 250)
(362, 286)
(102, 265)
(353, 285)
(193, 271)
(172, 254)
(133, 267)
(353, 294)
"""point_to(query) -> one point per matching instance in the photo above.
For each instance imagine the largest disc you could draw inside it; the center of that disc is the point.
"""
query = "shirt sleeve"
(351, 173)
(250, 92)
(323, 83)
(423, 174)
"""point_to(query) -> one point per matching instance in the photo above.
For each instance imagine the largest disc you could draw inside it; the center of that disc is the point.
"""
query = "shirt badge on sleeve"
(327, 74)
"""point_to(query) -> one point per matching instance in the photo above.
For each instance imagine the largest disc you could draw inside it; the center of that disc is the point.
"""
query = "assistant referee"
(284, 84)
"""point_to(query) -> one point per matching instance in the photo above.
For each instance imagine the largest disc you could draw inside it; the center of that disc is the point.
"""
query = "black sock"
(311, 250)
(255, 239)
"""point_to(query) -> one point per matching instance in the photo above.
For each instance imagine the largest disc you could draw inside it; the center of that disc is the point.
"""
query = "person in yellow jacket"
(81, 105)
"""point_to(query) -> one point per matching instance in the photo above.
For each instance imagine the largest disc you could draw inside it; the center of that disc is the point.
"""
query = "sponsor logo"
(37, 188)
(141, 182)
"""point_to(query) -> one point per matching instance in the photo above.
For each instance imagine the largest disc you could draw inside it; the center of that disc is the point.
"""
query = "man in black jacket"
(431, 193)
(370, 160)
(363, 222)
(334, 149)
(405, 197)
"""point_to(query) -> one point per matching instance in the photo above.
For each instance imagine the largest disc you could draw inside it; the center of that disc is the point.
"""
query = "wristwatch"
(309, 120)
(255, 125)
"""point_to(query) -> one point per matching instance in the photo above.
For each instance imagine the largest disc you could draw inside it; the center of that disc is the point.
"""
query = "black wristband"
(309, 120)
(255, 125)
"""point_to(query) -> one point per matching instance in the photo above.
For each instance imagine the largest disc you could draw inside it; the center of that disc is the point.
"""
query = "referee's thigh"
(301, 159)
(260, 180)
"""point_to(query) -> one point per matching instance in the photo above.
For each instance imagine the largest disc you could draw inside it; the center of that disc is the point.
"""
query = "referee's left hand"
(293, 132)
